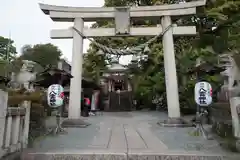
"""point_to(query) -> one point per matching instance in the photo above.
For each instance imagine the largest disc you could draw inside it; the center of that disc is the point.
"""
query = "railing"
(14, 129)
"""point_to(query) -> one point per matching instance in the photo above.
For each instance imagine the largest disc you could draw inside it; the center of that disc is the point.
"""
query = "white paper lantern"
(55, 95)
(203, 93)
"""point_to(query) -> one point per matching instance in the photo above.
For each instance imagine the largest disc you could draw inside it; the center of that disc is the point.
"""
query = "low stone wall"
(14, 124)
(223, 125)
(222, 119)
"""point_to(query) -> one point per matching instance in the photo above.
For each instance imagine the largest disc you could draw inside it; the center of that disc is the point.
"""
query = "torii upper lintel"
(67, 13)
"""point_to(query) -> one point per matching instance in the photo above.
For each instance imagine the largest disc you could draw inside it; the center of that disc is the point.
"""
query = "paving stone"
(152, 142)
(118, 139)
(102, 139)
(129, 135)
(134, 139)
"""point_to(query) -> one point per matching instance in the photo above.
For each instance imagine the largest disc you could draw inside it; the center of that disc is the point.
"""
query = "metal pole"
(198, 107)
(119, 99)
(58, 128)
(7, 55)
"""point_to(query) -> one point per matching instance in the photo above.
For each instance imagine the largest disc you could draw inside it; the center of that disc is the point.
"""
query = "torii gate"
(122, 16)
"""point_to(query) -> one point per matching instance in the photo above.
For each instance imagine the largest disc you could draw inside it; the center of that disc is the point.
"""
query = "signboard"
(203, 93)
(55, 95)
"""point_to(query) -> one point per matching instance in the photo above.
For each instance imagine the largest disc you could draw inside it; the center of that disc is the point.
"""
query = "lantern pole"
(200, 114)
(59, 128)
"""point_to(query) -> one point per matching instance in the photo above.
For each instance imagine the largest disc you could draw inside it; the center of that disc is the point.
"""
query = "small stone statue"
(26, 72)
(28, 65)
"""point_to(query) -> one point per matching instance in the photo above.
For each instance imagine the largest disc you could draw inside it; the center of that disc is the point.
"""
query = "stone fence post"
(235, 112)
(3, 112)
(27, 106)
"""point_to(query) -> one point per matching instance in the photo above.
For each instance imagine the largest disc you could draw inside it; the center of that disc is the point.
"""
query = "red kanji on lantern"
(61, 95)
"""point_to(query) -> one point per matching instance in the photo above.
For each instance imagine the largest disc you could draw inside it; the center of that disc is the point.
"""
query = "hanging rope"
(132, 51)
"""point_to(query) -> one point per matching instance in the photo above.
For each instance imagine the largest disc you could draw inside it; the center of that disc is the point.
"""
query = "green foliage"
(94, 65)
(43, 54)
(3, 68)
(7, 56)
(225, 16)
(7, 50)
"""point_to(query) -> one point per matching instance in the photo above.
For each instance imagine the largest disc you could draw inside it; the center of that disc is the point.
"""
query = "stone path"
(127, 135)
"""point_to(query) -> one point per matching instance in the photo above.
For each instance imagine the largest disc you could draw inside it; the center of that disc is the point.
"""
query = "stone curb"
(125, 156)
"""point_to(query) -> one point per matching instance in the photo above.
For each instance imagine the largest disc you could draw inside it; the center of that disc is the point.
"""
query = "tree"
(7, 50)
(94, 65)
(43, 54)
(7, 55)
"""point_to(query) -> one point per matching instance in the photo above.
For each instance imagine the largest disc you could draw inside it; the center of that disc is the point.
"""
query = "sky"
(25, 23)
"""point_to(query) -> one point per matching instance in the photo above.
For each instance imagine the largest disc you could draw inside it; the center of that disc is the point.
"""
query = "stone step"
(131, 155)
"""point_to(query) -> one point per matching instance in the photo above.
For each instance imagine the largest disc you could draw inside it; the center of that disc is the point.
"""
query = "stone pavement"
(127, 135)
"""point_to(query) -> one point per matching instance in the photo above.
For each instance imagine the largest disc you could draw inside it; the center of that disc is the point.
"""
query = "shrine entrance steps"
(127, 136)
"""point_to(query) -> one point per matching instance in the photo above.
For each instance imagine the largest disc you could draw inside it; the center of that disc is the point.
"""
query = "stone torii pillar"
(74, 110)
(170, 70)
(122, 16)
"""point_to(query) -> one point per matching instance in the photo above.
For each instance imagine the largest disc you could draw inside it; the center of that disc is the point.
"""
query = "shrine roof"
(116, 67)
(206, 67)
(52, 75)
(54, 71)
